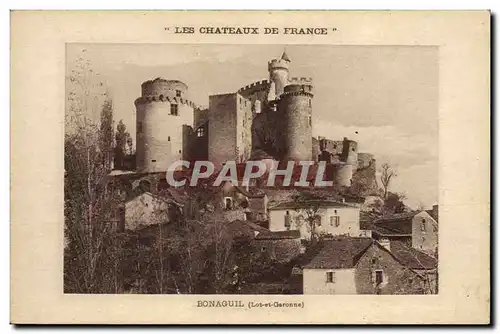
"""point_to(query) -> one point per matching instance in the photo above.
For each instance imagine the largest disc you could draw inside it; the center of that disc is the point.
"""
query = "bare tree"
(88, 210)
(387, 174)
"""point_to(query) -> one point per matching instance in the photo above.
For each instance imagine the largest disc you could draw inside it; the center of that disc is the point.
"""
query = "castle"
(266, 120)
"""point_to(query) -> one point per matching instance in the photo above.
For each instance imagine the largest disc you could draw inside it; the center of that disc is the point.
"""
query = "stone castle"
(266, 120)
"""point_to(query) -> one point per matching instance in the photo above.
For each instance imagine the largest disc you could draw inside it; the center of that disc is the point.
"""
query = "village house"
(281, 246)
(418, 229)
(333, 218)
(148, 209)
(359, 266)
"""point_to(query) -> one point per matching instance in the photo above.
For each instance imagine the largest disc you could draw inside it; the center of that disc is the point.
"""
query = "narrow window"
(330, 277)
(228, 203)
(180, 151)
(310, 121)
(288, 220)
(168, 138)
(153, 160)
(379, 277)
(309, 103)
(174, 109)
(422, 225)
(178, 93)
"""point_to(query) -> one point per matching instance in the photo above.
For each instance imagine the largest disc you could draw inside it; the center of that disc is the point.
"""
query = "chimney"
(435, 211)
(386, 243)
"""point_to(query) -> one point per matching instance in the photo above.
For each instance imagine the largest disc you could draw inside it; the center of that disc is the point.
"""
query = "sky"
(384, 97)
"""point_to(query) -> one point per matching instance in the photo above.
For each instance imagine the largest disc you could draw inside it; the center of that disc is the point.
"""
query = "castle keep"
(266, 120)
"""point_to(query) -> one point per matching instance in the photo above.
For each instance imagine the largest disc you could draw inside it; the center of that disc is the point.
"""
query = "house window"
(200, 132)
(168, 138)
(422, 225)
(139, 127)
(228, 203)
(174, 109)
(379, 277)
(288, 220)
(310, 121)
(178, 93)
(335, 221)
(330, 277)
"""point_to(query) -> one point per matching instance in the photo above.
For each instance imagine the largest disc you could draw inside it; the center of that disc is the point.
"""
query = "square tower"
(229, 128)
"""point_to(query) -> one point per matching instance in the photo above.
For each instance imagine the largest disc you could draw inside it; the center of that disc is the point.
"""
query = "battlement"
(254, 87)
(163, 98)
(160, 86)
(300, 81)
(286, 94)
(159, 80)
(278, 63)
(298, 90)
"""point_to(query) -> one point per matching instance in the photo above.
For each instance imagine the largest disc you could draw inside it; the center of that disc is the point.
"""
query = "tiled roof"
(275, 235)
(366, 220)
(395, 225)
(341, 253)
(433, 215)
(394, 231)
(411, 257)
(320, 203)
(241, 227)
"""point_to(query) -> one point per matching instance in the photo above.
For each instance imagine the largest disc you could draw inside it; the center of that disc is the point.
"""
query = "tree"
(123, 144)
(88, 208)
(106, 133)
(309, 206)
(387, 174)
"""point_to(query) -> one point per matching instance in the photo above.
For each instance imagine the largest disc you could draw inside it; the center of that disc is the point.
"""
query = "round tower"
(350, 152)
(295, 111)
(343, 174)
(278, 73)
(161, 113)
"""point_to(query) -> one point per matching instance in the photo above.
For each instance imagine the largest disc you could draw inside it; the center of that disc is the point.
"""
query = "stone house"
(359, 266)
(282, 246)
(148, 209)
(334, 218)
(417, 229)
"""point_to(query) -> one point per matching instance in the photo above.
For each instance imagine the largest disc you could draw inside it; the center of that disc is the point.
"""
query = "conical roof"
(284, 56)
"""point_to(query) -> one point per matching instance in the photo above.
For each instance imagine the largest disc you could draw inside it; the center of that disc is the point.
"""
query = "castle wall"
(254, 92)
(296, 108)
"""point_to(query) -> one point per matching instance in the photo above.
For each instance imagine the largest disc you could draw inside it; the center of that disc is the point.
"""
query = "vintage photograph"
(251, 169)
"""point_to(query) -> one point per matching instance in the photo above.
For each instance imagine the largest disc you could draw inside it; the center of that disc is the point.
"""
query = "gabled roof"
(433, 214)
(241, 227)
(411, 257)
(397, 225)
(278, 235)
(320, 203)
(160, 198)
(341, 253)
(251, 193)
